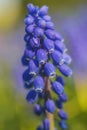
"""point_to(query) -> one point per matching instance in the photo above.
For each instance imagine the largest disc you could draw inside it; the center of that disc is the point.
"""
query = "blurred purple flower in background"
(76, 33)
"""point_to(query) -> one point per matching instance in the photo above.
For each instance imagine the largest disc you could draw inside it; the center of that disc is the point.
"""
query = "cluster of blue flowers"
(45, 53)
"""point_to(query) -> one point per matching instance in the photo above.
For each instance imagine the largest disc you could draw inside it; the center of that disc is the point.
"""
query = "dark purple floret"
(29, 54)
(57, 87)
(63, 115)
(33, 69)
(26, 38)
(49, 25)
(57, 58)
(61, 80)
(48, 45)
(46, 124)
(41, 23)
(27, 78)
(29, 28)
(38, 32)
(63, 97)
(59, 104)
(35, 42)
(49, 69)
(65, 70)
(67, 59)
(26, 75)
(24, 60)
(47, 18)
(39, 83)
(41, 94)
(32, 9)
(41, 56)
(50, 34)
(40, 127)
(38, 109)
(58, 37)
(28, 85)
(50, 106)
(43, 11)
(63, 125)
(32, 96)
(60, 46)
(29, 20)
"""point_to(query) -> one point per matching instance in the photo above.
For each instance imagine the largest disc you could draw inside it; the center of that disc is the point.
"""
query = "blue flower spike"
(45, 52)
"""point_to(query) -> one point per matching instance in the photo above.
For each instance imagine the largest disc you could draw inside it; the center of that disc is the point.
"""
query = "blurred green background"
(70, 18)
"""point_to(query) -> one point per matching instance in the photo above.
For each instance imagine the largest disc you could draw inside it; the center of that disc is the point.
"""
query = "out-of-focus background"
(70, 18)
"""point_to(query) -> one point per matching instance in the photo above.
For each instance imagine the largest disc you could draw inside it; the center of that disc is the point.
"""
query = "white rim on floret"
(52, 75)
(32, 72)
(39, 89)
(51, 50)
(61, 62)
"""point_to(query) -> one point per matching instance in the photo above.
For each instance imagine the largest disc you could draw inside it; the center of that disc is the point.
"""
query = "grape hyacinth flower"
(45, 53)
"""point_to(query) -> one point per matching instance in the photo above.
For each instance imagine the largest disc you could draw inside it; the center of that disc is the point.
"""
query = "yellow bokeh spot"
(9, 12)
(81, 90)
